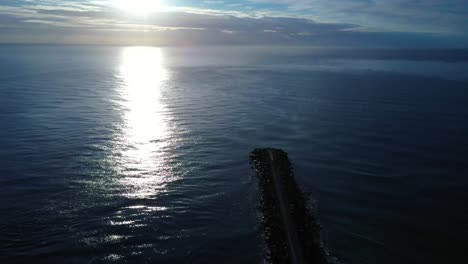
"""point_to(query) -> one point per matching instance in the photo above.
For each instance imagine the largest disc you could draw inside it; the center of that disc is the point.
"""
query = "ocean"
(140, 154)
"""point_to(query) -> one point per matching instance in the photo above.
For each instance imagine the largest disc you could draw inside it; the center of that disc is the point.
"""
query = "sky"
(337, 23)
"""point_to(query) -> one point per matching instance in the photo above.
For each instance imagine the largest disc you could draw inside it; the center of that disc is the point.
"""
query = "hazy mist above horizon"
(338, 23)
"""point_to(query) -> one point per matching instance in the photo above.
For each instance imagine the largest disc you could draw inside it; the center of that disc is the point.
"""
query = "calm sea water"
(140, 154)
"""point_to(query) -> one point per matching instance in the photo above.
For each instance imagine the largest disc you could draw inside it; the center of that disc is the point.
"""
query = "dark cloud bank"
(184, 28)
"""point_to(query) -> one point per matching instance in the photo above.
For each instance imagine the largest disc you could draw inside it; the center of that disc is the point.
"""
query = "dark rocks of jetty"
(291, 231)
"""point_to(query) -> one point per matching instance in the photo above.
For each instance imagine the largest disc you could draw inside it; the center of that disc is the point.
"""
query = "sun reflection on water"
(145, 133)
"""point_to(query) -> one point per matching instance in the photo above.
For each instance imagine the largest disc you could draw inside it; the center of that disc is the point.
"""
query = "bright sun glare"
(145, 131)
(139, 6)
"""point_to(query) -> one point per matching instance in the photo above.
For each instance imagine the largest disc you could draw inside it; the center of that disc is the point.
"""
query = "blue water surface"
(140, 154)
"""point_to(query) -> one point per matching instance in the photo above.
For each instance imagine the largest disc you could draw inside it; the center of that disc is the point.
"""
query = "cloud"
(93, 22)
(435, 16)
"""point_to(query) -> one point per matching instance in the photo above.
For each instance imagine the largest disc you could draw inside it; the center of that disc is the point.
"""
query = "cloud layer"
(98, 22)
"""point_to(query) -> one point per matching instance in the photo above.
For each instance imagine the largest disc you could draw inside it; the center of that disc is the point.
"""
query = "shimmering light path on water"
(145, 131)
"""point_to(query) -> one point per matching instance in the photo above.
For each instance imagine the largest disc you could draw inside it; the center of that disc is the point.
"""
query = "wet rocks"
(291, 231)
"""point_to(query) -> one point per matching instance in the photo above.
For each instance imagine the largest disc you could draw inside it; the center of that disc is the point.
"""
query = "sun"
(140, 7)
